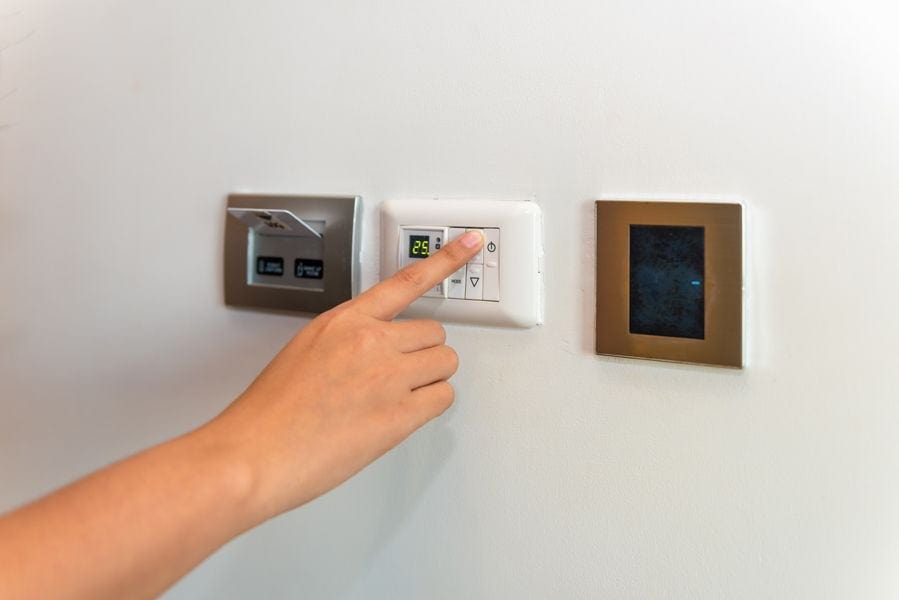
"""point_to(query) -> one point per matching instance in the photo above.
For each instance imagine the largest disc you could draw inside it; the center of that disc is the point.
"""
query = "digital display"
(418, 246)
(270, 265)
(309, 268)
(667, 281)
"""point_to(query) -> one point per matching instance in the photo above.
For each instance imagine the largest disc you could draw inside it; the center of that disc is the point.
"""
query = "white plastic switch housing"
(502, 286)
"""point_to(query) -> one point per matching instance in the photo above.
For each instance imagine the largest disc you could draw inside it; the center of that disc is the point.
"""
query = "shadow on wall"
(349, 527)
(588, 272)
(14, 31)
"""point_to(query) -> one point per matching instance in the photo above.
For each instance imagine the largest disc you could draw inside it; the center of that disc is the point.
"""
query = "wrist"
(236, 474)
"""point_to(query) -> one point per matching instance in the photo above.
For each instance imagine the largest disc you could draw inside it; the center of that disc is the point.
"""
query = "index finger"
(391, 297)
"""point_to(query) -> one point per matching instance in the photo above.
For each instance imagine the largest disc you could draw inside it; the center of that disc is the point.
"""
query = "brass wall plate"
(669, 281)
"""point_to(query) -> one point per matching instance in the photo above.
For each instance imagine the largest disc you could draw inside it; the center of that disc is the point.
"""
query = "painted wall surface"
(557, 474)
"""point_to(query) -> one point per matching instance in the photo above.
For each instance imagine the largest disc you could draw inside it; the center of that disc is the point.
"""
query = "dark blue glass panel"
(667, 281)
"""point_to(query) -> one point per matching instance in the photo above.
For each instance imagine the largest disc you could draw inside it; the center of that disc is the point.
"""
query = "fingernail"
(472, 239)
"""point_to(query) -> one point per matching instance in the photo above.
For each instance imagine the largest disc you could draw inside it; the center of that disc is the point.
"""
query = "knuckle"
(456, 252)
(445, 395)
(410, 277)
(369, 337)
(452, 358)
(438, 330)
(328, 316)
(337, 321)
(328, 323)
(338, 315)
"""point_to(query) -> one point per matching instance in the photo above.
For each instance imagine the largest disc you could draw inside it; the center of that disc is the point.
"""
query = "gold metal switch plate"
(721, 341)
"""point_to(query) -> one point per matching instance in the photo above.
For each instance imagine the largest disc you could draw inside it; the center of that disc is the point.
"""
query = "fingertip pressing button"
(478, 258)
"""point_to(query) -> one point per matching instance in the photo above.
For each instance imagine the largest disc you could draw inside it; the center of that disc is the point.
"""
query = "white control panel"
(478, 280)
(501, 285)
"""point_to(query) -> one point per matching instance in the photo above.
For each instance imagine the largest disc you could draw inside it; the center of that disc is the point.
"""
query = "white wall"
(557, 474)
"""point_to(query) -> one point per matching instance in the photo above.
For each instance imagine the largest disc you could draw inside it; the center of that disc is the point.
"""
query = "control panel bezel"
(518, 226)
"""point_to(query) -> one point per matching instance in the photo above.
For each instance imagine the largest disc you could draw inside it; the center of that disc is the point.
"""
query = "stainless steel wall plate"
(296, 253)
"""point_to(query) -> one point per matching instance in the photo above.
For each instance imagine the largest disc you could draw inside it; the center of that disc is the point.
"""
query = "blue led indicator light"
(696, 282)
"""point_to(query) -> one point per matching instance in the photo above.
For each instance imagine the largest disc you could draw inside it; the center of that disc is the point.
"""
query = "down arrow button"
(474, 289)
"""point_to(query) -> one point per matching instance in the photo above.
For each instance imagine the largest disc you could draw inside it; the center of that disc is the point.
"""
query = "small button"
(456, 281)
(308, 268)
(270, 265)
(455, 233)
(457, 284)
(491, 264)
(474, 282)
(438, 291)
(478, 258)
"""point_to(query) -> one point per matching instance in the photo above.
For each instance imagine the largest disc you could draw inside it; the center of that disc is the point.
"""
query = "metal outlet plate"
(293, 253)
(669, 281)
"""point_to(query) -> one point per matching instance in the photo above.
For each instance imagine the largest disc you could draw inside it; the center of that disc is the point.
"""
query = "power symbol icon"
(491, 247)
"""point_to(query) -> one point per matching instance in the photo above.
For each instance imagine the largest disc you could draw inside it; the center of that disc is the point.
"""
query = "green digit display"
(419, 246)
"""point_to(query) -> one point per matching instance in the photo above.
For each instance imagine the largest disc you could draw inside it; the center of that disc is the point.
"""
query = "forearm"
(132, 529)
(345, 390)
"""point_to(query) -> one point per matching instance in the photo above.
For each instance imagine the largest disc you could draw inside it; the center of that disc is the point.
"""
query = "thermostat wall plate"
(501, 286)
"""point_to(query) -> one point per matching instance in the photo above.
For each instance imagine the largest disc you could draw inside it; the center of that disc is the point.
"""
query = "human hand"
(346, 389)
